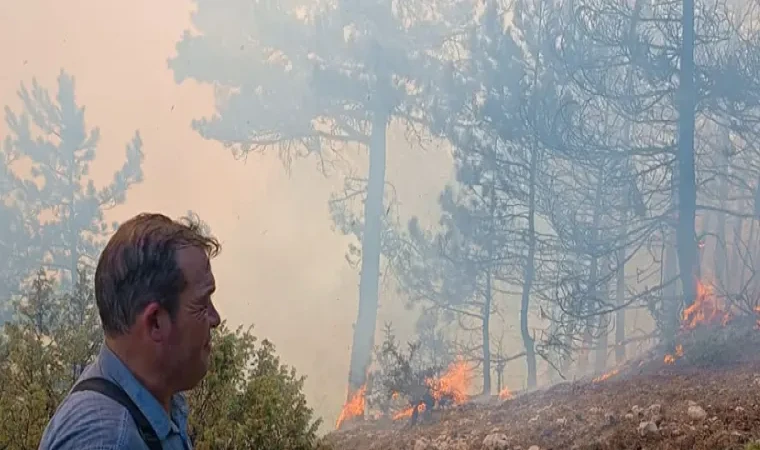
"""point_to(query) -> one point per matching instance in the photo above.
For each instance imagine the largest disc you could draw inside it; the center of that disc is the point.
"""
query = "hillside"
(705, 397)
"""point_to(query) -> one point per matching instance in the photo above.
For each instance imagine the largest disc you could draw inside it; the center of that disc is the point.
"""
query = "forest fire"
(353, 408)
(453, 384)
(606, 376)
(505, 394)
(407, 413)
(671, 358)
(707, 309)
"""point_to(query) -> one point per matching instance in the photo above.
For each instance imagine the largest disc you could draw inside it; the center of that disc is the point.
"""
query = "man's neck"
(143, 369)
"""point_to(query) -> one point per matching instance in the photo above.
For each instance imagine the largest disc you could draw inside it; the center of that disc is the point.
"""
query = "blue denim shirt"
(89, 420)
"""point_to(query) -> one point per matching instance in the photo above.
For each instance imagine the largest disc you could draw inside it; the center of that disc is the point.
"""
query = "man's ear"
(155, 322)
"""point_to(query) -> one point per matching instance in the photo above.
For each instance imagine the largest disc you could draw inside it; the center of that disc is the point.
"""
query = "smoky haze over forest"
(585, 191)
(282, 267)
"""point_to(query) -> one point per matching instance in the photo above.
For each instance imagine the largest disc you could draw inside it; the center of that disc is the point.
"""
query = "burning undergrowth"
(714, 336)
(700, 393)
(691, 409)
(405, 386)
(713, 333)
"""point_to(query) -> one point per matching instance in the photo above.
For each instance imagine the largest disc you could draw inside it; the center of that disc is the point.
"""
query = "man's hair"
(139, 266)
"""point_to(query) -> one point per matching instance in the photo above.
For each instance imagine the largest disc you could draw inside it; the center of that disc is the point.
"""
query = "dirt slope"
(695, 403)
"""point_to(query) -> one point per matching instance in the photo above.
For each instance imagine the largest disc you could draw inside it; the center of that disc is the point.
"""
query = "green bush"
(248, 400)
(42, 352)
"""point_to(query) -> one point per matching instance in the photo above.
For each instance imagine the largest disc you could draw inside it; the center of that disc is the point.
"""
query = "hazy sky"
(282, 267)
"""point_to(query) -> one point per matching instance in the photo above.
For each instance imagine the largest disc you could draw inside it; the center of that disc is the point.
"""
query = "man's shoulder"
(88, 420)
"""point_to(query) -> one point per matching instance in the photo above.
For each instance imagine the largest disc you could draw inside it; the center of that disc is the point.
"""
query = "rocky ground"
(708, 399)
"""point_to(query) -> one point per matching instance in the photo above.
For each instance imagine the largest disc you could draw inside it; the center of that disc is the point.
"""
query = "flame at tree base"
(353, 407)
(707, 309)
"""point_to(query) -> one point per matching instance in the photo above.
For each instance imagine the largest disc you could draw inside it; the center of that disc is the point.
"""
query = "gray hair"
(138, 266)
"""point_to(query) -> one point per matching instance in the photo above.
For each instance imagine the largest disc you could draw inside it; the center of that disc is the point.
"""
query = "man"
(153, 287)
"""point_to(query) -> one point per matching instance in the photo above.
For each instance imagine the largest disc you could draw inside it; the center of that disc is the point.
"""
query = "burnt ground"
(708, 399)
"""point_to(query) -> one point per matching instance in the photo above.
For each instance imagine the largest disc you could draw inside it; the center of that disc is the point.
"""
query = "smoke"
(282, 266)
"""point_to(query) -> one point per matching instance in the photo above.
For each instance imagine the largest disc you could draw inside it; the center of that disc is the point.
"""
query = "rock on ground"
(586, 416)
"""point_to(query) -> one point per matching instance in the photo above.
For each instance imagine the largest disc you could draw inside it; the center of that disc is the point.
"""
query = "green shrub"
(249, 400)
(42, 351)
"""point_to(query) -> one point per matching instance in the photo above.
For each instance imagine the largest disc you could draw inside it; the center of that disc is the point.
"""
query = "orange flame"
(671, 359)
(605, 376)
(505, 393)
(404, 413)
(409, 411)
(353, 407)
(707, 309)
(454, 383)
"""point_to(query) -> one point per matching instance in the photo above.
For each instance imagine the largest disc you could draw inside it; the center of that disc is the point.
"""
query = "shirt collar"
(112, 367)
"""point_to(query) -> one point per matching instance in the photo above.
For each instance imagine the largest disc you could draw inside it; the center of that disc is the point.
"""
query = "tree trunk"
(487, 336)
(557, 355)
(620, 313)
(735, 264)
(670, 293)
(600, 354)
(628, 193)
(566, 359)
(586, 343)
(602, 345)
(366, 321)
(721, 257)
(529, 274)
(530, 263)
(746, 266)
(687, 188)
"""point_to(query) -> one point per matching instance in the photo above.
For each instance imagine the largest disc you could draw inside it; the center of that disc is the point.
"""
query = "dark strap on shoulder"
(113, 391)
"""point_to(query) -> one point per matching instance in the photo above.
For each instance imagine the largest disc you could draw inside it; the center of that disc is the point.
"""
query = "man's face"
(189, 348)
